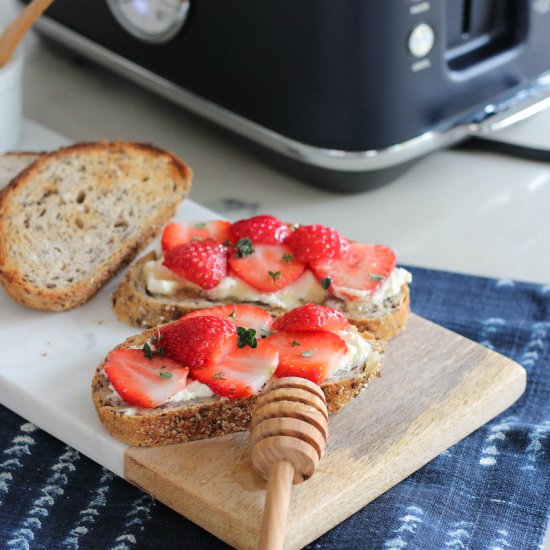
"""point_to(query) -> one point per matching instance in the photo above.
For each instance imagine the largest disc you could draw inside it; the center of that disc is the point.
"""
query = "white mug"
(11, 111)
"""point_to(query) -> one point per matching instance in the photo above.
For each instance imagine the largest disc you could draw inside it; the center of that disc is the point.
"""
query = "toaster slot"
(479, 29)
(466, 23)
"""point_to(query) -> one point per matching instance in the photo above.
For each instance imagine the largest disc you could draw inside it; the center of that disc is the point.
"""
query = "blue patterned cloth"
(490, 491)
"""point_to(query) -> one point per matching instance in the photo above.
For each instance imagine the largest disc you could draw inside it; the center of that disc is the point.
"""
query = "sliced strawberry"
(242, 315)
(196, 341)
(314, 242)
(201, 262)
(144, 382)
(241, 373)
(268, 269)
(176, 234)
(260, 229)
(364, 269)
(314, 354)
(312, 317)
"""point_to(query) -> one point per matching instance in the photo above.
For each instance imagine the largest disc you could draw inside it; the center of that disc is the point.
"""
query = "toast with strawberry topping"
(264, 261)
(199, 377)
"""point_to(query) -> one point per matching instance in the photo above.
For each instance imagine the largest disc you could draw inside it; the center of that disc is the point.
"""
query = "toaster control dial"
(154, 21)
(421, 40)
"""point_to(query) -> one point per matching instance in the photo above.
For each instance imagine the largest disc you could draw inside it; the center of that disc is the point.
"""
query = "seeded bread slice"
(75, 216)
(136, 306)
(207, 417)
(11, 164)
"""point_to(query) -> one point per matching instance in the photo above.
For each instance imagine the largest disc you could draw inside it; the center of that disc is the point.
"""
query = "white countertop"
(470, 212)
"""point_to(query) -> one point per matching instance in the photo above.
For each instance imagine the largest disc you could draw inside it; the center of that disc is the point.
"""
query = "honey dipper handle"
(279, 487)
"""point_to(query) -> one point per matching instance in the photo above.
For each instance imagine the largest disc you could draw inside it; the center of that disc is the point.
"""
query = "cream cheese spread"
(357, 353)
(390, 287)
(306, 289)
(195, 390)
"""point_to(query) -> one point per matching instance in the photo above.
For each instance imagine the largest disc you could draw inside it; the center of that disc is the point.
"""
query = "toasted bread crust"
(136, 307)
(38, 297)
(389, 325)
(156, 427)
(13, 163)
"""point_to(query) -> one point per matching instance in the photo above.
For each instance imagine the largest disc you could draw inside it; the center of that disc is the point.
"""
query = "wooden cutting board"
(437, 387)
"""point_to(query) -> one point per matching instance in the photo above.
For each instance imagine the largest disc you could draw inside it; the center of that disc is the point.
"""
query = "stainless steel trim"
(494, 117)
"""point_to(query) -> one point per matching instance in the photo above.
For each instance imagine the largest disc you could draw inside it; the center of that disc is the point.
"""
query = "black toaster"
(344, 93)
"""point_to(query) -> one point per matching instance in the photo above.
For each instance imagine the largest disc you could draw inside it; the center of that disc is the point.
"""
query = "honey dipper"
(288, 434)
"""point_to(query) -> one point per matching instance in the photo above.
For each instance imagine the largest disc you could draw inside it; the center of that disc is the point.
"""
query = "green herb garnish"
(219, 376)
(295, 343)
(265, 332)
(287, 258)
(147, 351)
(200, 225)
(274, 275)
(165, 374)
(376, 277)
(246, 337)
(196, 238)
(244, 247)
(326, 282)
(232, 314)
(307, 353)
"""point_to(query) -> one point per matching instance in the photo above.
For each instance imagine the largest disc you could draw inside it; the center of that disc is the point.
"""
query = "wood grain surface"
(436, 388)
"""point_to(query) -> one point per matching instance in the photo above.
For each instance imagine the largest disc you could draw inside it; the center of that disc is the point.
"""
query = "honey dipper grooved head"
(290, 423)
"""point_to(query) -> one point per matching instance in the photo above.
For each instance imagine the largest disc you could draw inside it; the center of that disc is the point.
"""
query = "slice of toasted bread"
(207, 417)
(11, 164)
(75, 216)
(134, 305)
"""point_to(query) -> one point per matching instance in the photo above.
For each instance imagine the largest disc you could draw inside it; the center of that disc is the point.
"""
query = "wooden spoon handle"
(16, 30)
(277, 500)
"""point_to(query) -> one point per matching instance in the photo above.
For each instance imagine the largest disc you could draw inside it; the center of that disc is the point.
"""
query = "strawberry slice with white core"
(268, 268)
(242, 315)
(144, 382)
(241, 373)
(312, 317)
(176, 234)
(361, 272)
(313, 354)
